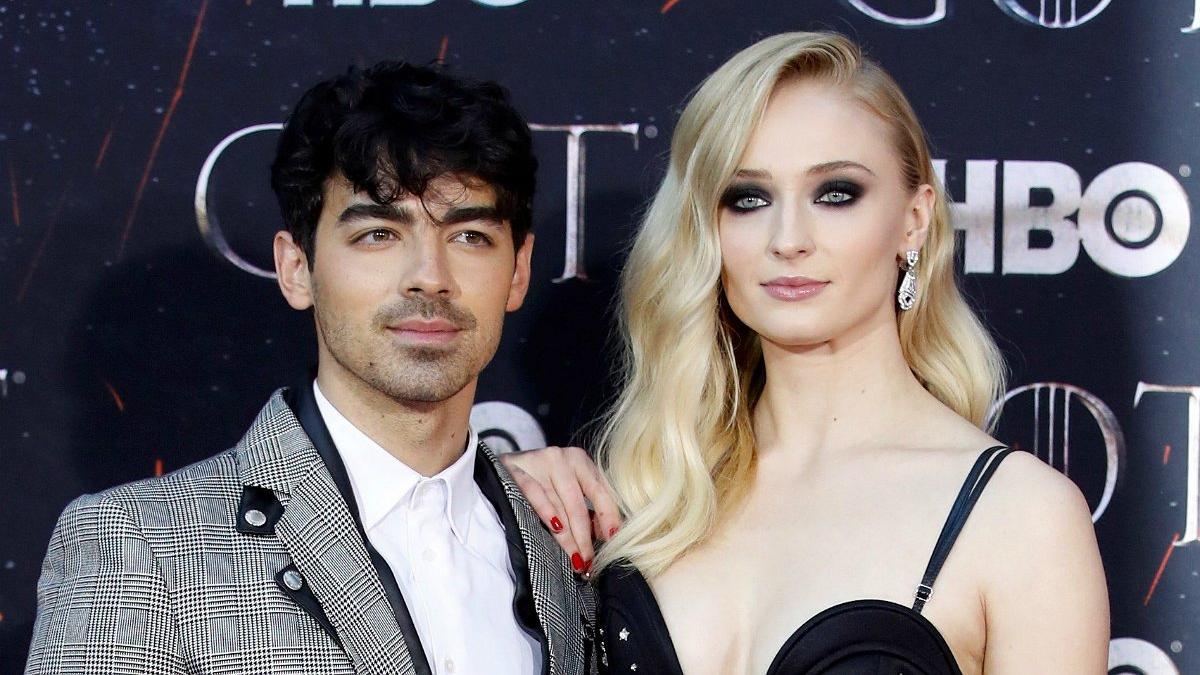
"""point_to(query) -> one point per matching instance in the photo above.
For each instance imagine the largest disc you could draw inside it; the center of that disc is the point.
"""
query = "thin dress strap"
(989, 460)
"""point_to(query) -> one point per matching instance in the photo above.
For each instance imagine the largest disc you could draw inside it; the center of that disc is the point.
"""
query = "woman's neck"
(839, 394)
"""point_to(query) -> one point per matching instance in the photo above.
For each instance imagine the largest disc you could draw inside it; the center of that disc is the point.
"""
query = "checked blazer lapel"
(319, 533)
(336, 583)
(558, 607)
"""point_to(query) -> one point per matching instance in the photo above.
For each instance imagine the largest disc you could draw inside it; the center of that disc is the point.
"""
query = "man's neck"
(427, 437)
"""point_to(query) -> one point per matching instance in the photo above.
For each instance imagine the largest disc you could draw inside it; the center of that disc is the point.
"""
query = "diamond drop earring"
(908, 287)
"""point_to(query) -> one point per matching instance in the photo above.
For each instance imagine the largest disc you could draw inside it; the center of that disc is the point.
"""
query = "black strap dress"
(853, 638)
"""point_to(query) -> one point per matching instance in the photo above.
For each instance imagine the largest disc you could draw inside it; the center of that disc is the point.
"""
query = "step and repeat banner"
(140, 329)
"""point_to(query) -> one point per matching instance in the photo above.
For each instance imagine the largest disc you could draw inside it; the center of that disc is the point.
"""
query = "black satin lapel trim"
(304, 597)
(265, 503)
(523, 607)
(304, 405)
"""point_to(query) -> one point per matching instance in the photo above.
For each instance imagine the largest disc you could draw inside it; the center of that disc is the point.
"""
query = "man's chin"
(425, 354)
(430, 395)
(411, 385)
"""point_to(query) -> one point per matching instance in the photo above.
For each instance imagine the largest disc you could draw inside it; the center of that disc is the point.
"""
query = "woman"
(802, 407)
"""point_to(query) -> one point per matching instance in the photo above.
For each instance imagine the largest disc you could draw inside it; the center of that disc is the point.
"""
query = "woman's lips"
(793, 288)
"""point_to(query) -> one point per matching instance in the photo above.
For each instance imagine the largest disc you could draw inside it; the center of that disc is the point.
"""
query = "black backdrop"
(130, 345)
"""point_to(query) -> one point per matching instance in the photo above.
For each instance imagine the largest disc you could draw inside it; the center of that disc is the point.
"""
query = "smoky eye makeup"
(745, 197)
(838, 192)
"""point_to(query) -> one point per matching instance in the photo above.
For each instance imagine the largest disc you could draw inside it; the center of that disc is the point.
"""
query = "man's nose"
(428, 266)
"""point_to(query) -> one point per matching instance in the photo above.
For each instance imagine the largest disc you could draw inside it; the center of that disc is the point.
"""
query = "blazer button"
(255, 518)
(293, 580)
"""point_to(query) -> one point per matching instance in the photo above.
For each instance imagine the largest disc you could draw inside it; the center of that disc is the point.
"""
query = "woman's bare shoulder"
(1026, 499)
(1035, 524)
(1027, 491)
(1042, 580)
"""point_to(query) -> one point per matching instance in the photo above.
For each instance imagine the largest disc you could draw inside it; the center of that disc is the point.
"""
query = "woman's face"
(816, 219)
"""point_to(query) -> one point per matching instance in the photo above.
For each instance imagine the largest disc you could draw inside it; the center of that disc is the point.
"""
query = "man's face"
(410, 296)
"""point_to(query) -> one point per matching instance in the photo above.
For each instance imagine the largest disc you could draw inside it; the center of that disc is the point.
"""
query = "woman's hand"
(559, 483)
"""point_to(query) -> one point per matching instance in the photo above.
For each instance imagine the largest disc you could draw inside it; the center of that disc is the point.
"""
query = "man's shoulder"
(198, 485)
(160, 500)
(493, 460)
(219, 470)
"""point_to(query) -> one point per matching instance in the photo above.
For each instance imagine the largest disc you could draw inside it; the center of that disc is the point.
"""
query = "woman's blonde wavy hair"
(678, 446)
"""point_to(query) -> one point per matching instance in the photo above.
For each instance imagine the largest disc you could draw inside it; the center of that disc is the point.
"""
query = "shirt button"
(429, 555)
(448, 664)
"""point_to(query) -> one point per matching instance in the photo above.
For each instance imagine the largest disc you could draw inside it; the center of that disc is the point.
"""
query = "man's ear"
(520, 279)
(291, 271)
(918, 219)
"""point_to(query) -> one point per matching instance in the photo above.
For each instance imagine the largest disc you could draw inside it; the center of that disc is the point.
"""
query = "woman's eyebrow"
(837, 165)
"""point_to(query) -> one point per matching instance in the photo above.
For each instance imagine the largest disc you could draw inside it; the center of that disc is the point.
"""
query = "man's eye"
(472, 238)
(377, 236)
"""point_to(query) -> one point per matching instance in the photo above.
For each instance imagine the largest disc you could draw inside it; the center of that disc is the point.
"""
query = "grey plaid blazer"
(161, 576)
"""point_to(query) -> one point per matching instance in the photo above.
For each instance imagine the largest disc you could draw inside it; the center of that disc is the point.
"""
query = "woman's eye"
(744, 200)
(748, 203)
(838, 193)
(835, 197)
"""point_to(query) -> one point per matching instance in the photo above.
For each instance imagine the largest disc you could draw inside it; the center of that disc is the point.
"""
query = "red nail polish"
(556, 524)
(612, 532)
(577, 563)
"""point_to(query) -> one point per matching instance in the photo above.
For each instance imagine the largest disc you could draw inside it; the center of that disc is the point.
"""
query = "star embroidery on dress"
(624, 634)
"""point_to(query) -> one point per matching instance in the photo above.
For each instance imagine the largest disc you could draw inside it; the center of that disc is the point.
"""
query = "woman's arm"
(1045, 597)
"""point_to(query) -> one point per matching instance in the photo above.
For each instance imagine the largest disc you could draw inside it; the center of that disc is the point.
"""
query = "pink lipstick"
(793, 288)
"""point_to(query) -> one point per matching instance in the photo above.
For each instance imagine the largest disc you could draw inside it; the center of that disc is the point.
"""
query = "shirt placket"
(429, 540)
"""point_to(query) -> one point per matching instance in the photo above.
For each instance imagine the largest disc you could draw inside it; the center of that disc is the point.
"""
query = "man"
(359, 526)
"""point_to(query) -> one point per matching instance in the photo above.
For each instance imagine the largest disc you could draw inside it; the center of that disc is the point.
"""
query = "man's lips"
(425, 331)
(793, 288)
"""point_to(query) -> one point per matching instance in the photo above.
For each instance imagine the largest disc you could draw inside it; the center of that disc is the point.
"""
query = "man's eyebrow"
(402, 215)
(373, 211)
(464, 214)
(837, 165)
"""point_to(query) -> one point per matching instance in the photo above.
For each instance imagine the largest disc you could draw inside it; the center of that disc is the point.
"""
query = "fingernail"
(556, 524)
(612, 532)
(577, 563)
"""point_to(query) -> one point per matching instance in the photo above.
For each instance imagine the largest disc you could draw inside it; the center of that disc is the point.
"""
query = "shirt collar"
(381, 482)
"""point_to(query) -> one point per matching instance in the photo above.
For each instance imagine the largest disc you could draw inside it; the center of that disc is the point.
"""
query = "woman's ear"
(918, 218)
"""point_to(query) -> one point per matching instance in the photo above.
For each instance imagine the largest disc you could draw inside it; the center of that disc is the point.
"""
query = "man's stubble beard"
(405, 374)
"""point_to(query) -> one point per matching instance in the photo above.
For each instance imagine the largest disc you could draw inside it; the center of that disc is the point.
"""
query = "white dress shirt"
(445, 545)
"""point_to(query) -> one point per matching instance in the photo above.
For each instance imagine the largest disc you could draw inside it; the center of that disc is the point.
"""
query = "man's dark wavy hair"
(393, 128)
